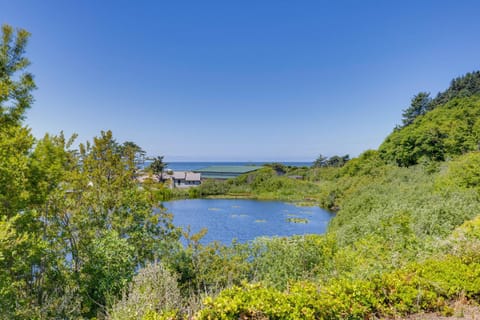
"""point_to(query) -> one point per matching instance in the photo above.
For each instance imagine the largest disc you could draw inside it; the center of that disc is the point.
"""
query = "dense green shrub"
(464, 242)
(211, 187)
(402, 191)
(368, 163)
(108, 269)
(153, 290)
(426, 286)
(446, 131)
(463, 172)
(277, 261)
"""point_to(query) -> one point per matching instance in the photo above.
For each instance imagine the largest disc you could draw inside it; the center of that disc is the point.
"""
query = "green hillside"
(440, 128)
(441, 134)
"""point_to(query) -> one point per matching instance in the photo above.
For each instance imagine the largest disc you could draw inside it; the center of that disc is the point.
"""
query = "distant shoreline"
(194, 165)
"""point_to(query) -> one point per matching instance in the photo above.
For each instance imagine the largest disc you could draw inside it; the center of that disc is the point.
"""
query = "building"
(225, 172)
(182, 179)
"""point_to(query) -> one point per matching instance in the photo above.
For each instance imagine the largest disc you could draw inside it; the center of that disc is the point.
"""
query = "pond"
(244, 220)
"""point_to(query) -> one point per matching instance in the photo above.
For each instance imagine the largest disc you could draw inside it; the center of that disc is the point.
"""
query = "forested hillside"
(437, 129)
(81, 238)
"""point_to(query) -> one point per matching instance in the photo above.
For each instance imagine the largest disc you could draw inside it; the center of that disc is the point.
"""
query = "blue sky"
(240, 80)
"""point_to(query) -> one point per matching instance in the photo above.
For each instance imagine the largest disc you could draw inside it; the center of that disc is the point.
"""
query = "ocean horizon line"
(194, 165)
(238, 161)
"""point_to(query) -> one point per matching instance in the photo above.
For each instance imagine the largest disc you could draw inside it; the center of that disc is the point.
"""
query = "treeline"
(334, 161)
(462, 87)
(440, 128)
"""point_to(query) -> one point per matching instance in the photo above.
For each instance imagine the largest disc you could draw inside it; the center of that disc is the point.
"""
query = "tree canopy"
(421, 104)
(16, 84)
(439, 128)
(333, 161)
(461, 87)
(158, 166)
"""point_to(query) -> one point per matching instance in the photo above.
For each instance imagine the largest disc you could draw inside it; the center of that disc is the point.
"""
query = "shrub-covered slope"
(447, 131)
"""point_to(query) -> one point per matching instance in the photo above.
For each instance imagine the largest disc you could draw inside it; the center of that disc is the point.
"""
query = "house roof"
(179, 175)
(183, 175)
(192, 176)
(228, 169)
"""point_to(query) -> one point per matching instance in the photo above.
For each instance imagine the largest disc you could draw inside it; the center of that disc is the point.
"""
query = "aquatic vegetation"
(297, 220)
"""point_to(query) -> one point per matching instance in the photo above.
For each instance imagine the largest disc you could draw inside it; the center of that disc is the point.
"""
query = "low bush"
(427, 286)
(153, 292)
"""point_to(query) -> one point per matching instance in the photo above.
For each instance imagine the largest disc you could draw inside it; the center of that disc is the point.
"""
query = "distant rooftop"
(225, 172)
(229, 169)
(182, 175)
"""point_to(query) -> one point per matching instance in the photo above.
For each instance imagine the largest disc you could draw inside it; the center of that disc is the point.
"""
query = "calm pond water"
(244, 220)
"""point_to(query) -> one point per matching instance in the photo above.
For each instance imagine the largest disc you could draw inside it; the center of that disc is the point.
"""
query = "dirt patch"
(458, 311)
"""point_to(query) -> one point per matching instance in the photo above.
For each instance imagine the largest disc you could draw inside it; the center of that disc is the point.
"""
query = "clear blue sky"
(240, 80)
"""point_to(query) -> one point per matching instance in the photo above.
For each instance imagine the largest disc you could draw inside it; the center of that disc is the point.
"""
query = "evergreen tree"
(421, 104)
(461, 87)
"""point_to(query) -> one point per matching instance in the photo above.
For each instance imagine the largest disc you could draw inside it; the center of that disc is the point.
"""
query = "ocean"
(190, 166)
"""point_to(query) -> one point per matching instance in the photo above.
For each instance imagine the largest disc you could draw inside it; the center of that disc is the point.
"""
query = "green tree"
(16, 84)
(334, 161)
(107, 270)
(157, 167)
(21, 247)
(421, 103)
(74, 224)
(130, 149)
(337, 161)
(461, 87)
(320, 161)
(97, 223)
(446, 131)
